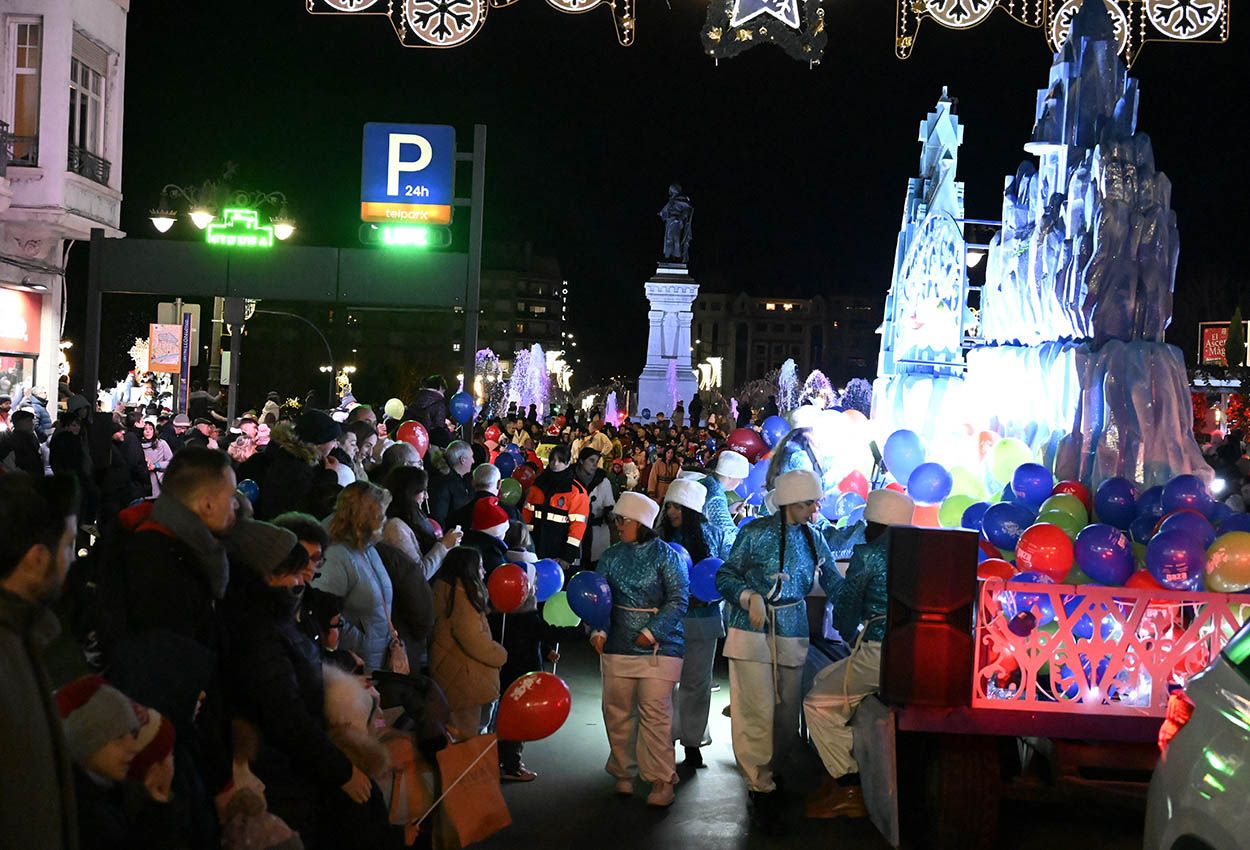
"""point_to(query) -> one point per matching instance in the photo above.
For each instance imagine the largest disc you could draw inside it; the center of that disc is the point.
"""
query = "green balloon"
(1069, 504)
(510, 491)
(557, 612)
(1007, 454)
(1071, 525)
(965, 482)
(732, 498)
(951, 513)
(1139, 554)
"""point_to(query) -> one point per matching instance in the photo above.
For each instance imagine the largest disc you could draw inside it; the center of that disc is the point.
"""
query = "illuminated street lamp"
(205, 202)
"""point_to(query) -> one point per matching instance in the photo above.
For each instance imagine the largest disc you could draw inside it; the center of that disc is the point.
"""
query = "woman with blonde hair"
(354, 572)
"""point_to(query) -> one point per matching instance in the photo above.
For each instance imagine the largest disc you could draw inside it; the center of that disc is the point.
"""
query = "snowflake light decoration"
(959, 14)
(1184, 19)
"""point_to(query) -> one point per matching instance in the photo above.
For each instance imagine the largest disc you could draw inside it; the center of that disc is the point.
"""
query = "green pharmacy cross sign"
(240, 229)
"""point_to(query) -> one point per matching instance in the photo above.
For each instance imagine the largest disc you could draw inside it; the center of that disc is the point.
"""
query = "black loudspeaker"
(926, 658)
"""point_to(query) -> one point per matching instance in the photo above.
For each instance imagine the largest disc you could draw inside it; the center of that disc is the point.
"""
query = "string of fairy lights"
(800, 27)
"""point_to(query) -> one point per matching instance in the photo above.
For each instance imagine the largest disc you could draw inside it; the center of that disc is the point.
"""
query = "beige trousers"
(828, 706)
(762, 728)
(638, 715)
(468, 721)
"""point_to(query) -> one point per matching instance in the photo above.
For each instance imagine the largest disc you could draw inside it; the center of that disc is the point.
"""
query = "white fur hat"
(732, 465)
(687, 493)
(889, 507)
(799, 485)
(637, 507)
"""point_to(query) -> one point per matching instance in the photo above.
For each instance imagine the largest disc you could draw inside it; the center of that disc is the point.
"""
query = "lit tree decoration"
(139, 354)
(796, 26)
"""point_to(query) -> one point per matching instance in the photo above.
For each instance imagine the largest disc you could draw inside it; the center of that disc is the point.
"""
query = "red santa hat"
(156, 736)
(490, 518)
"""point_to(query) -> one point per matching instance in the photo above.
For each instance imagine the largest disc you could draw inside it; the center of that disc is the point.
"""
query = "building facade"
(753, 335)
(62, 80)
(524, 301)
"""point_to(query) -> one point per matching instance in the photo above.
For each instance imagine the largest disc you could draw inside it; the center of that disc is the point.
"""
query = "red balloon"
(854, 483)
(989, 548)
(531, 456)
(1143, 579)
(435, 527)
(533, 707)
(1075, 488)
(1045, 549)
(525, 475)
(415, 435)
(926, 516)
(508, 587)
(747, 442)
(896, 487)
(995, 568)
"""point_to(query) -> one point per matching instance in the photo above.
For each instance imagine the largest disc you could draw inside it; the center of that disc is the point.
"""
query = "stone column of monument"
(671, 292)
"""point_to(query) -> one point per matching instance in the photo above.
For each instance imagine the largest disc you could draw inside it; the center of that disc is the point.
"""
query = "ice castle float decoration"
(1065, 349)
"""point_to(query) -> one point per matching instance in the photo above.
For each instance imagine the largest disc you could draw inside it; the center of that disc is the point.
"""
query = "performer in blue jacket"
(766, 579)
(641, 653)
(732, 469)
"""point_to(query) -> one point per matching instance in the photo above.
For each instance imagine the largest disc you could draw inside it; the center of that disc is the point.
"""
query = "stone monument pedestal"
(671, 292)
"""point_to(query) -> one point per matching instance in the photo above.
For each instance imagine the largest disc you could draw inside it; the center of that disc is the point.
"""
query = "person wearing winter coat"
(731, 470)
(641, 651)
(297, 468)
(20, 447)
(556, 509)
(464, 659)
(663, 472)
(429, 407)
(276, 678)
(859, 615)
(157, 454)
(766, 580)
(408, 528)
(450, 485)
(354, 571)
(412, 611)
(683, 523)
(599, 489)
(37, 401)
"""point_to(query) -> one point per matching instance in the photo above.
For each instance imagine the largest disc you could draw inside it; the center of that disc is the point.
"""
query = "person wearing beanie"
(766, 580)
(731, 470)
(274, 671)
(859, 614)
(684, 523)
(153, 766)
(641, 650)
(297, 470)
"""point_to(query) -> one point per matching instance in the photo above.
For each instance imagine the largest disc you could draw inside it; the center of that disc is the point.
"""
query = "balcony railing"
(88, 165)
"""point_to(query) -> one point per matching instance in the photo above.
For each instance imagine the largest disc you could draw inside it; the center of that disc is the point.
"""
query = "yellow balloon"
(1228, 563)
(394, 409)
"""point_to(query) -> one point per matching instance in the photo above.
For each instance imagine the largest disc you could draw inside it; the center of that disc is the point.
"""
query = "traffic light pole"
(473, 278)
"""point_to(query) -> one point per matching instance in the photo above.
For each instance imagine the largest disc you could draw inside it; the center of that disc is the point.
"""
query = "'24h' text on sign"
(408, 173)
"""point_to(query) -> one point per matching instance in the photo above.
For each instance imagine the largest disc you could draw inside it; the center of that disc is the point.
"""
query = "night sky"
(797, 174)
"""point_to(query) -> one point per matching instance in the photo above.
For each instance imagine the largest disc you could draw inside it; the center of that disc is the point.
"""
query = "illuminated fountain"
(530, 383)
(787, 387)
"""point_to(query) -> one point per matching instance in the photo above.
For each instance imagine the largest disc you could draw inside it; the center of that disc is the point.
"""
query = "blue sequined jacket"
(716, 512)
(646, 575)
(862, 596)
(755, 562)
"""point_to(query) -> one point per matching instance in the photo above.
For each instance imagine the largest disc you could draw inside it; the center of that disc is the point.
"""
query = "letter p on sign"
(395, 163)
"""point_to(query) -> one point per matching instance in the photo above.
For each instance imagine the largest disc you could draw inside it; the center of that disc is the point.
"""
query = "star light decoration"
(451, 23)
(1137, 22)
(796, 26)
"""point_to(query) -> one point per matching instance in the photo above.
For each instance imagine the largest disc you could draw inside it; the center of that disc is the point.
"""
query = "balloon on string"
(951, 512)
(1142, 528)
(415, 435)
(557, 612)
(1176, 559)
(1191, 523)
(1186, 491)
(1228, 563)
(973, 515)
(929, 483)
(590, 598)
(1007, 454)
(1103, 552)
(435, 527)
(508, 587)
(854, 482)
(510, 491)
(1032, 484)
(1236, 522)
(1069, 504)
(394, 409)
(1150, 502)
(250, 489)
(1115, 502)
(507, 464)
(533, 707)
(903, 452)
(773, 429)
(525, 475)
(1003, 523)
(703, 580)
(548, 579)
(461, 407)
(1045, 549)
(493, 433)
(683, 554)
(748, 443)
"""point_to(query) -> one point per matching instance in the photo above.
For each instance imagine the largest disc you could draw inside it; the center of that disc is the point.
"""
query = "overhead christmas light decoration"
(1137, 22)
(796, 26)
(240, 229)
(451, 23)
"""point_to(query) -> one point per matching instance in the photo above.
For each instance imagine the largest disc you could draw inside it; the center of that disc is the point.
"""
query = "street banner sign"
(184, 371)
(164, 348)
(1212, 337)
(408, 173)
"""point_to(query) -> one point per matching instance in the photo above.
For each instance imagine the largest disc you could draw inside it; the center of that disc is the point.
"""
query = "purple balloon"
(1186, 491)
(1115, 502)
(1236, 522)
(1104, 554)
(1190, 523)
(1176, 560)
(1003, 523)
(1032, 484)
(1150, 502)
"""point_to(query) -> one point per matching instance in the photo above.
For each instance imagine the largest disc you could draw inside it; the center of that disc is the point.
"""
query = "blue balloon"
(591, 598)
(1192, 524)
(507, 463)
(1104, 554)
(752, 487)
(1068, 684)
(461, 407)
(683, 554)
(1015, 602)
(929, 483)
(742, 523)
(904, 451)
(1150, 502)
(1236, 522)
(1177, 560)
(549, 579)
(1032, 484)
(251, 489)
(973, 515)
(703, 580)
(515, 450)
(846, 503)
(1219, 512)
(1142, 528)
(1003, 523)
(856, 515)
(1083, 628)
(773, 430)
(1115, 503)
(1186, 491)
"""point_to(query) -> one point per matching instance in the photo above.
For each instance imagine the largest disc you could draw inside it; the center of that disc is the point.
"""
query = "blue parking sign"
(408, 173)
